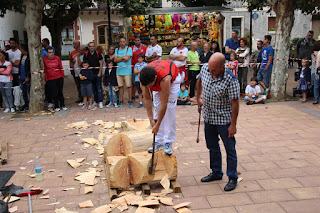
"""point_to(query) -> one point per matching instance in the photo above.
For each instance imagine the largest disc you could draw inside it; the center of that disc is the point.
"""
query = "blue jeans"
(316, 84)
(97, 88)
(112, 94)
(265, 76)
(212, 133)
(7, 94)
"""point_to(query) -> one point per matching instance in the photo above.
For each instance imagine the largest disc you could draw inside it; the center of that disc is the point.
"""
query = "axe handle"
(152, 158)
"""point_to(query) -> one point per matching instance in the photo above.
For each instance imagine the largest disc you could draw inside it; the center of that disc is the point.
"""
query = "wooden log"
(117, 172)
(135, 124)
(118, 145)
(4, 152)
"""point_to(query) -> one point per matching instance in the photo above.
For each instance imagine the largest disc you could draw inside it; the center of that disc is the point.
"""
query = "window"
(236, 25)
(67, 33)
(271, 23)
(101, 34)
(116, 33)
(16, 35)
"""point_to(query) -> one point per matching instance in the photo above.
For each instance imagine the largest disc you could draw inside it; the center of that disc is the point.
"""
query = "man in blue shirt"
(122, 57)
(264, 73)
(46, 45)
(232, 44)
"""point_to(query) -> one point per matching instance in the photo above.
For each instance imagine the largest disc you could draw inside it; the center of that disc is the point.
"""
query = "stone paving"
(278, 150)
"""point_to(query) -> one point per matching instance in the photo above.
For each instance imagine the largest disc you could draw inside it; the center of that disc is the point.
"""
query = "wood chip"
(165, 192)
(122, 208)
(119, 201)
(86, 204)
(63, 210)
(184, 210)
(133, 200)
(88, 189)
(90, 141)
(185, 164)
(181, 205)
(145, 210)
(202, 161)
(28, 119)
(166, 201)
(165, 182)
(68, 189)
(73, 163)
(149, 203)
(52, 170)
(52, 204)
(32, 176)
(45, 197)
(104, 209)
(80, 160)
(98, 122)
(36, 189)
(87, 178)
(12, 199)
(23, 168)
(137, 193)
(13, 209)
(240, 179)
(95, 163)
(45, 192)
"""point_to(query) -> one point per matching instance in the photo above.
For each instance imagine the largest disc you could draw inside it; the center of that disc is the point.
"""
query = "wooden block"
(113, 194)
(4, 152)
(117, 172)
(181, 205)
(86, 204)
(175, 186)
(145, 189)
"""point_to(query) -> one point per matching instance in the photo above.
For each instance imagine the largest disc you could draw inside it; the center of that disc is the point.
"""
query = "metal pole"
(250, 31)
(109, 24)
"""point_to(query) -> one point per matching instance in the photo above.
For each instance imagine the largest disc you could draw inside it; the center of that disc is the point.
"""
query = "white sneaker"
(100, 105)
(65, 108)
(115, 105)
(57, 109)
(94, 104)
(50, 105)
(109, 105)
(80, 104)
(6, 110)
(13, 110)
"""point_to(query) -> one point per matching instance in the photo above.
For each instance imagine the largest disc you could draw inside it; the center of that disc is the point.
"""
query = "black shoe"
(262, 102)
(211, 177)
(249, 102)
(231, 185)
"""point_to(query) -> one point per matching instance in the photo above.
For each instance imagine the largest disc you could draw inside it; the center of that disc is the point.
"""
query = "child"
(183, 95)
(233, 64)
(252, 93)
(86, 77)
(137, 69)
(110, 83)
(304, 84)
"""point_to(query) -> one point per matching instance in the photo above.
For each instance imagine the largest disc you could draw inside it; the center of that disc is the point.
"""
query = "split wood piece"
(181, 205)
(98, 122)
(141, 140)
(184, 210)
(86, 204)
(166, 201)
(104, 209)
(144, 210)
(11, 199)
(149, 203)
(165, 182)
(78, 125)
(117, 125)
(64, 210)
(107, 125)
(117, 172)
(118, 145)
(73, 163)
(136, 124)
(90, 141)
(121, 202)
(4, 152)
(113, 194)
(88, 189)
(145, 188)
(45, 197)
(13, 209)
(87, 178)
(46, 192)
(175, 186)
(133, 200)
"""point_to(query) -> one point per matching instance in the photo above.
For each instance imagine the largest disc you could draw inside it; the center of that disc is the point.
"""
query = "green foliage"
(200, 3)
(15, 5)
(294, 42)
(134, 7)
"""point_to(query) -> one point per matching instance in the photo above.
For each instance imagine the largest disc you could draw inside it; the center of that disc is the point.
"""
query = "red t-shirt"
(235, 64)
(163, 68)
(136, 51)
(53, 68)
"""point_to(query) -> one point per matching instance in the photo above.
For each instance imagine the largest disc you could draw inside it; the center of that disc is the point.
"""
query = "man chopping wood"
(162, 77)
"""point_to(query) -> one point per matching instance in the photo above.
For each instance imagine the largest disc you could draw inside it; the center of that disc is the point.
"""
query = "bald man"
(73, 64)
(221, 92)
(194, 70)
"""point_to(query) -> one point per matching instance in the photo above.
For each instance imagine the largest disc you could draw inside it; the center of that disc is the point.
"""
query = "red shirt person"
(54, 76)
(136, 49)
(162, 77)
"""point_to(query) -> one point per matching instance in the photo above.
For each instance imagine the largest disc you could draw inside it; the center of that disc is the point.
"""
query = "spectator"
(137, 69)
(243, 58)
(94, 59)
(154, 51)
(256, 58)
(110, 83)
(102, 52)
(7, 47)
(137, 48)
(304, 47)
(25, 76)
(46, 45)
(215, 48)
(304, 84)
(264, 73)
(221, 93)
(110, 54)
(75, 68)
(54, 76)
(314, 72)
(232, 44)
(206, 54)
(6, 81)
(233, 64)
(194, 70)
(253, 93)
(197, 40)
(183, 96)
(14, 58)
(123, 57)
(86, 76)
(179, 55)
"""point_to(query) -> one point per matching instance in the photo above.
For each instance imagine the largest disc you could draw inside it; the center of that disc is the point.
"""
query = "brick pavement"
(277, 143)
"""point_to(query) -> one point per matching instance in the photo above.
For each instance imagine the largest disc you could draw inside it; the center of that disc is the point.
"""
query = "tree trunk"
(284, 23)
(55, 32)
(32, 24)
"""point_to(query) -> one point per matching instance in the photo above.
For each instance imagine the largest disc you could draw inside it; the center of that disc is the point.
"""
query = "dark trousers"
(192, 75)
(15, 80)
(242, 77)
(25, 87)
(77, 82)
(182, 102)
(1, 101)
(212, 133)
(55, 91)
(97, 88)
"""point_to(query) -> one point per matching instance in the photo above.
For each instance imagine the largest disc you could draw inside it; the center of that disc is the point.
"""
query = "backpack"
(86, 54)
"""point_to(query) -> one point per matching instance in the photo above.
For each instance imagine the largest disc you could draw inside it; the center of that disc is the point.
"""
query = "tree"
(201, 3)
(134, 7)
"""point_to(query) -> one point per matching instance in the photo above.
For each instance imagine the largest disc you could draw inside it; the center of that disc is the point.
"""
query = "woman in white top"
(6, 81)
(315, 57)
(243, 53)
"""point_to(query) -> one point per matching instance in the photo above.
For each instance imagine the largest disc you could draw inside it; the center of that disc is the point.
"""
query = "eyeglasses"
(50, 52)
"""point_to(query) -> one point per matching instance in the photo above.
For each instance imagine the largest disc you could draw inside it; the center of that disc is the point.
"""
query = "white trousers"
(167, 129)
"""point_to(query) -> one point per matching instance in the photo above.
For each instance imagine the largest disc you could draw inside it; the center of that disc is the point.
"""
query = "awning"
(181, 10)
